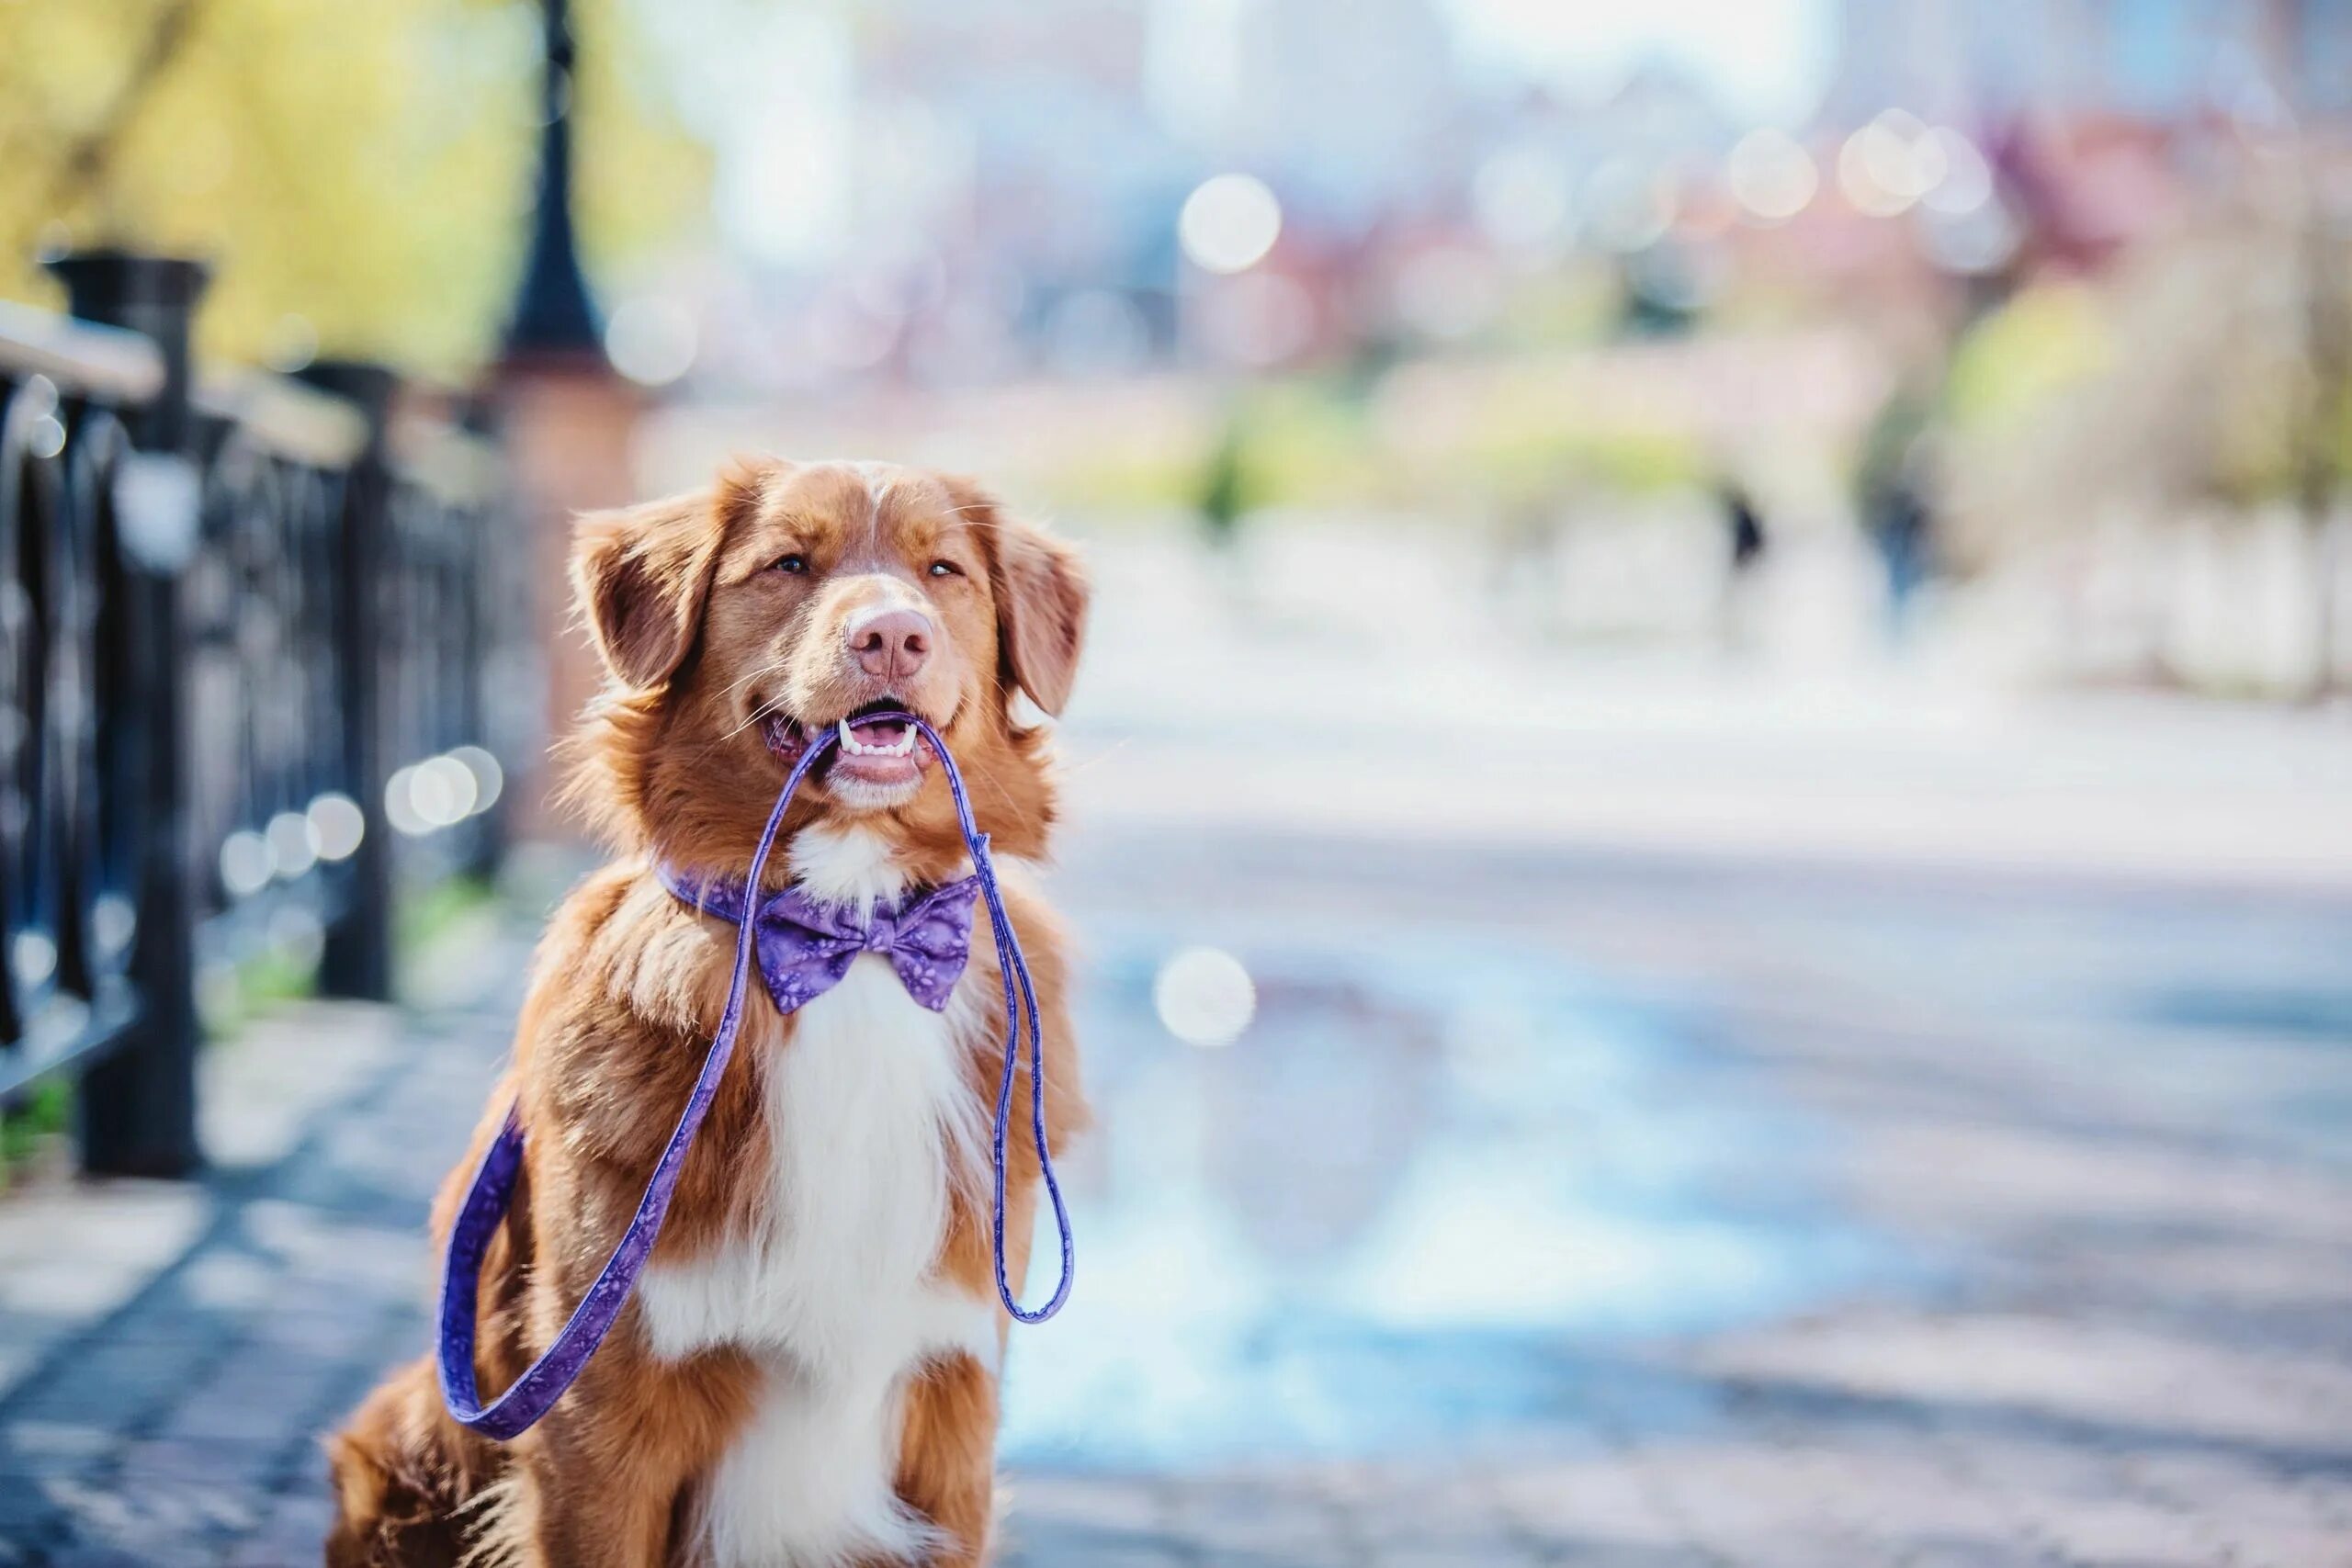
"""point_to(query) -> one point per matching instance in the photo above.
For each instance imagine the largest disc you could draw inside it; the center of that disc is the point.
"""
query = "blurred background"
(1709, 805)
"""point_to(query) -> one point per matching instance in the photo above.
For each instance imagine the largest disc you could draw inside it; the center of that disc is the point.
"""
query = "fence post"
(357, 962)
(482, 663)
(138, 1106)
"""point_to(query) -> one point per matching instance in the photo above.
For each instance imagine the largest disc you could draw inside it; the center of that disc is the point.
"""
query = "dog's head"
(787, 600)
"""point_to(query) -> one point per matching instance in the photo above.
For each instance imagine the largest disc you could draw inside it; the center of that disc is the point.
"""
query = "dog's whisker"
(975, 771)
(1080, 765)
(759, 713)
(763, 711)
(776, 667)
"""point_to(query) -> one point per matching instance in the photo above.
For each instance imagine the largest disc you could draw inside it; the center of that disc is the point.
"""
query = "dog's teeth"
(904, 746)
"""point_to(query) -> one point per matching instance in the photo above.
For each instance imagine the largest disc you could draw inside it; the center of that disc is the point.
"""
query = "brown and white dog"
(807, 1373)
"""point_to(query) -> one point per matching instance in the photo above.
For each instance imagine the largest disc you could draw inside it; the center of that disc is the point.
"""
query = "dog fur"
(807, 1373)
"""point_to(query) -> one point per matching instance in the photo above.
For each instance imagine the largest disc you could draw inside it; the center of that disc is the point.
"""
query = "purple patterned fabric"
(917, 939)
(805, 946)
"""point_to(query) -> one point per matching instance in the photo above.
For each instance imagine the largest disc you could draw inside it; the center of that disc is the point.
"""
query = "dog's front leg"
(947, 1458)
(603, 1473)
(583, 1507)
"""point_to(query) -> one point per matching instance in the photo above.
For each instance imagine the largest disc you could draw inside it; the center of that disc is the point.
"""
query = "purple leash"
(493, 1192)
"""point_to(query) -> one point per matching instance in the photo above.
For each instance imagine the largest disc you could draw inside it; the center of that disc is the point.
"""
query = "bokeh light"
(1887, 165)
(1229, 224)
(1965, 179)
(651, 340)
(289, 834)
(489, 778)
(1205, 997)
(336, 826)
(1772, 175)
(246, 864)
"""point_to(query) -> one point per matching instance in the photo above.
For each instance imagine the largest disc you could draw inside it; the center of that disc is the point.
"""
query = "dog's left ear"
(1041, 596)
(641, 575)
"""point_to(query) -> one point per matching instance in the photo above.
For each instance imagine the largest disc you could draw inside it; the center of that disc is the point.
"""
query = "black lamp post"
(553, 317)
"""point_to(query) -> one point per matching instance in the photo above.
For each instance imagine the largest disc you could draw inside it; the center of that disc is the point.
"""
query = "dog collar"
(805, 946)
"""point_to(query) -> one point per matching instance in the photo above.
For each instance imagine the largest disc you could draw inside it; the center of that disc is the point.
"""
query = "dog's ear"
(1041, 597)
(641, 575)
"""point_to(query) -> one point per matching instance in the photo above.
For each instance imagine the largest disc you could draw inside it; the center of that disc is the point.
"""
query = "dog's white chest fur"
(870, 1118)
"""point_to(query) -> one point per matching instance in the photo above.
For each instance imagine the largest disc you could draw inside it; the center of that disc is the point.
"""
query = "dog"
(807, 1373)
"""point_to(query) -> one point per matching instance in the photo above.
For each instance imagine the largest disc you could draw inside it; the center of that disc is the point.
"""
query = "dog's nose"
(892, 645)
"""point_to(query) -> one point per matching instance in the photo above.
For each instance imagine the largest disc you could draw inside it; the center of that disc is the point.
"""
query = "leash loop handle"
(491, 1193)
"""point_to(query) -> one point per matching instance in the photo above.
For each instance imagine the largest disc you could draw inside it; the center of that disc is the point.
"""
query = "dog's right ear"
(641, 575)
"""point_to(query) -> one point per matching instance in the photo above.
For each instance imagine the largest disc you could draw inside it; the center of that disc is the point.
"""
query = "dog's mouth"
(878, 748)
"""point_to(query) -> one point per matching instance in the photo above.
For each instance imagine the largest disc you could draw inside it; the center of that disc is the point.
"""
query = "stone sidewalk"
(173, 1412)
(1991, 1224)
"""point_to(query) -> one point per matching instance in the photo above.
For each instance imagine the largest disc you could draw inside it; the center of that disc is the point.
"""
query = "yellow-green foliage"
(2048, 340)
(364, 167)
(1519, 434)
(1125, 481)
(2258, 433)
(1314, 441)
(1530, 457)
(1306, 443)
(2281, 421)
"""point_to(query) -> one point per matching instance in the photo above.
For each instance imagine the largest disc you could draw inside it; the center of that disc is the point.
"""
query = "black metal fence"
(246, 644)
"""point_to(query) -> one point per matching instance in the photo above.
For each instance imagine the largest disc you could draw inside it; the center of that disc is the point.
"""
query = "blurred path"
(1556, 1211)
(1368, 680)
(1789, 1195)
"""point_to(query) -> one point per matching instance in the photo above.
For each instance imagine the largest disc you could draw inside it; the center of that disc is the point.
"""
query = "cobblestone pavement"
(1676, 1216)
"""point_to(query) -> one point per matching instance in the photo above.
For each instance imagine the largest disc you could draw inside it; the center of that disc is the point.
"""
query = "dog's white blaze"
(879, 479)
(870, 1119)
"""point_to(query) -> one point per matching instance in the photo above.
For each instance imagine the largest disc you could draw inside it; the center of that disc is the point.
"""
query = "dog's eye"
(946, 568)
(796, 564)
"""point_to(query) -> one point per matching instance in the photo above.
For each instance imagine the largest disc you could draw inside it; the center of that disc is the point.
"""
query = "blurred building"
(1352, 108)
(1004, 177)
(1012, 172)
(999, 193)
(1055, 230)
(1975, 62)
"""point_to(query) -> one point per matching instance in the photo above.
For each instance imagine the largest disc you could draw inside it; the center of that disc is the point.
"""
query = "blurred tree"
(2204, 381)
(358, 174)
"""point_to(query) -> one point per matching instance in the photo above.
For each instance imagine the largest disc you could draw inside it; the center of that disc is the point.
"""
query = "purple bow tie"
(805, 946)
